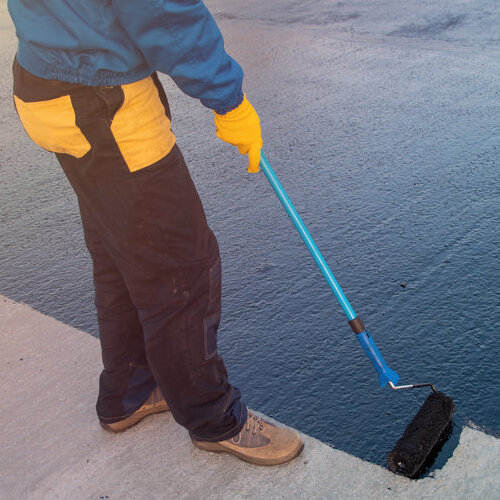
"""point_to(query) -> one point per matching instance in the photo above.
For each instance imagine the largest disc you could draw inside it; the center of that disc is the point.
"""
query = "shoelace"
(254, 423)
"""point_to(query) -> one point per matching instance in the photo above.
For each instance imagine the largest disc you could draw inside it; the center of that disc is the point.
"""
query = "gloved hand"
(241, 128)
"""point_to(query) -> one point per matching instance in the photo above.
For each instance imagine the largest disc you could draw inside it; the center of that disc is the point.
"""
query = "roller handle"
(371, 350)
(306, 237)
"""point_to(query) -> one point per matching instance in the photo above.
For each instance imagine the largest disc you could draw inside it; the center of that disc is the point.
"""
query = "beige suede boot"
(154, 404)
(259, 442)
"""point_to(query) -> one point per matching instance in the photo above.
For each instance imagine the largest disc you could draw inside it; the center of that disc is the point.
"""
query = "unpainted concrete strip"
(52, 446)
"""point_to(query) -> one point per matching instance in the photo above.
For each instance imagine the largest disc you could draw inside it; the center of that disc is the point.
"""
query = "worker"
(86, 88)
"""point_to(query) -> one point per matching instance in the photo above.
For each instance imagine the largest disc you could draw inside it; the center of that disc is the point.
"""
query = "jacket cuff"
(230, 107)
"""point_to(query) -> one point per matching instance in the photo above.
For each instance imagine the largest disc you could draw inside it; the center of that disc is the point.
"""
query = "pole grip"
(385, 374)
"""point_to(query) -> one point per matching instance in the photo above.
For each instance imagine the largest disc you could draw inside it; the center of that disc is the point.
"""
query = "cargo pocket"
(212, 320)
(52, 125)
(141, 127)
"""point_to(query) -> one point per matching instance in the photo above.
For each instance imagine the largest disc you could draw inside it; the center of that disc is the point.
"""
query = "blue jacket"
(114, 42)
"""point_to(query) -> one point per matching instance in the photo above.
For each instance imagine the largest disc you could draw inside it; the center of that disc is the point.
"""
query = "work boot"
(259, 442)
(154, 404)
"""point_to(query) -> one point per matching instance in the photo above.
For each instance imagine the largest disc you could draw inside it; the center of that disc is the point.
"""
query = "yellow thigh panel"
(140, 127)
(51, 125)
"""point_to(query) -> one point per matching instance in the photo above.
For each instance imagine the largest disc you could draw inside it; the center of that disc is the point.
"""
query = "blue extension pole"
(306, 237)
(364, 338)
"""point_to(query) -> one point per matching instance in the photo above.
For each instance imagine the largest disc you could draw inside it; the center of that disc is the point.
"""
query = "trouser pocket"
(52, 125)
(141, 127)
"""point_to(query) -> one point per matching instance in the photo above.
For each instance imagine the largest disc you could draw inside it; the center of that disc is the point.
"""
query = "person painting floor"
(86, 88)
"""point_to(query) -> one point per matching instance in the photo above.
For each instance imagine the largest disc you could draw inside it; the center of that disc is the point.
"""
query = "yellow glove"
(241, 128)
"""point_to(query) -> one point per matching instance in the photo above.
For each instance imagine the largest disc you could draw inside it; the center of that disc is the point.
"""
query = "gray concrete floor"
(53, 447)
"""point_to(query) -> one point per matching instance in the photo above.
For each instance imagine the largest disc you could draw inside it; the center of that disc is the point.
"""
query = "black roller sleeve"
(421, 435)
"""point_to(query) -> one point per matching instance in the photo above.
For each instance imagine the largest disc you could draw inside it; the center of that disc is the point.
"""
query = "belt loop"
(104, 89)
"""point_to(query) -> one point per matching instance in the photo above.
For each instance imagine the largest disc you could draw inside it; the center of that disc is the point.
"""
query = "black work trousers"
(157, 268)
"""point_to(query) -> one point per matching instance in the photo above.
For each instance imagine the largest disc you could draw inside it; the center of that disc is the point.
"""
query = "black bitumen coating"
(381, 119)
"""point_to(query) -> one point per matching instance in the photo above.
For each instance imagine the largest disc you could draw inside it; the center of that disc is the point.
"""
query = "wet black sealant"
(383, 126)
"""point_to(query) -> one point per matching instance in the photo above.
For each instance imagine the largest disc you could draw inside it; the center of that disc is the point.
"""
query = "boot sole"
(216, 448)
(134, 419)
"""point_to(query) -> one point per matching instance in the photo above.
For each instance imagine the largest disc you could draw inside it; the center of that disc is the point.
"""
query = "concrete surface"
(52, 446)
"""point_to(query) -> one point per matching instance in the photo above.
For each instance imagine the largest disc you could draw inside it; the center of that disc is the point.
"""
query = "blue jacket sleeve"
(180, 38)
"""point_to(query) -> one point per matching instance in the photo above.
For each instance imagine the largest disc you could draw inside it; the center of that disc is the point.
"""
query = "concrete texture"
(53, 448)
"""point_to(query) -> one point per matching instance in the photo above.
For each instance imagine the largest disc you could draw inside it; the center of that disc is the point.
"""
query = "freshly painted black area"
(386, 138)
